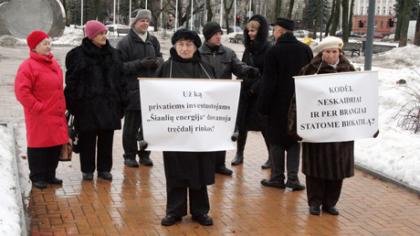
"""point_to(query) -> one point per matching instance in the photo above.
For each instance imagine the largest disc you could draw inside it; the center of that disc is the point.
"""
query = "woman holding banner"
(187, 172)
(326, 164)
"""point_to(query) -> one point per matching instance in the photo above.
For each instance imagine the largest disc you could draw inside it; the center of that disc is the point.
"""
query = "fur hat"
(93, 28)
(35, 37)
(188, 35)
(329, 42)
(142, 14)
(211, 29)
(285, 23)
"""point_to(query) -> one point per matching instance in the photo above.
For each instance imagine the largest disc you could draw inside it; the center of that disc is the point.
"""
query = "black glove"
(253, 73)
(143, 145)
(235, 136)
(149, 63)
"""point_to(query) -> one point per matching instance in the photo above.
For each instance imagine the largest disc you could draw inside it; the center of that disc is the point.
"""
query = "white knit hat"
(329, 42)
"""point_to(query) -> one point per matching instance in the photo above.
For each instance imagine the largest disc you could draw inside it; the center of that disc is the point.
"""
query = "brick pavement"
(134, 202)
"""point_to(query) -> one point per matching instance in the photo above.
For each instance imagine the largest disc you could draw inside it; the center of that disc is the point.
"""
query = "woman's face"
(330, 55)
(44, 47)
(185, 48)
(100, 39)
(252, 33)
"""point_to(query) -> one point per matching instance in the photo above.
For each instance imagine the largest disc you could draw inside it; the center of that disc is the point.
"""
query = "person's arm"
(240, 69)
(23, 90)
(129, 67)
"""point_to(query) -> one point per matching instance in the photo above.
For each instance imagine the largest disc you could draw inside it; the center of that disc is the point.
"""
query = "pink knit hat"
(93, 28)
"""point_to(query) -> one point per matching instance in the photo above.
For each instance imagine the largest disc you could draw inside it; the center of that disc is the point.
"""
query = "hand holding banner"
(337, 107)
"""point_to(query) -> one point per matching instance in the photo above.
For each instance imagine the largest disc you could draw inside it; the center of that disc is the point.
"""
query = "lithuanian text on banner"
(189, 114)
(337, 107)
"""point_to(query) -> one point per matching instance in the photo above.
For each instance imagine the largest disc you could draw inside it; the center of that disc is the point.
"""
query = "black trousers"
(43, 162)
(176, 203)
(91, 141)
(243, 134)
(322, 191)
(219, 159)
(278, 155)
(132, 124)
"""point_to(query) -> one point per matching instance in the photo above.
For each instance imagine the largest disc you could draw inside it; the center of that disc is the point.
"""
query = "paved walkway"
(134, 202)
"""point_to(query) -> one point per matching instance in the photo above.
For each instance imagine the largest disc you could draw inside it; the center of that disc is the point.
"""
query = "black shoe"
(87, 176)
(169, 220)
(203, 219)
(272, 183)
(330, 210)
(40, 184)
(239, 159)
(266, 165)
(55, 181)
(315, 210)
(295, 186)
(146, 161)
(131, 163)
(105, 175)
(224, 171)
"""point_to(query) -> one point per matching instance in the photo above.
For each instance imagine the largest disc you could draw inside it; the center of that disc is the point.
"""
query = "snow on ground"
(9, 207)
(395, 153)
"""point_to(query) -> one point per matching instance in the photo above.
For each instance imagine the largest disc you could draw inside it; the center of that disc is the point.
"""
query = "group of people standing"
(102, 88)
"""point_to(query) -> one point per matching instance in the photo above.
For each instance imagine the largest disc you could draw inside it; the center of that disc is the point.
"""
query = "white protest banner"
(337, 107)
(189, 114)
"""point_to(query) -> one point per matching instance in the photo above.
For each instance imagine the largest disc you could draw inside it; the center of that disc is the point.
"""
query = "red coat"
(39, 88)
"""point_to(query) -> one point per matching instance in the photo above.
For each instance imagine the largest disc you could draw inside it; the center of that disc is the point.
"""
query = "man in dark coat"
(284, 60)
(225, 62)
(187, 173)
(141, 56)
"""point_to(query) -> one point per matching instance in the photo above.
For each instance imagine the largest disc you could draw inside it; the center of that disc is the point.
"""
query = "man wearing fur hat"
(286, 58)
(225, 62)
(141, 56)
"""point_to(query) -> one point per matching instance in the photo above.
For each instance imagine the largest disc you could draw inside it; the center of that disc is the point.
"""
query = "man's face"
(278, 31)
(216, 39)
(142, 25)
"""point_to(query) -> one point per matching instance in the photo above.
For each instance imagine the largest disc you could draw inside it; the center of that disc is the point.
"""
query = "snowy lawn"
(9, 197)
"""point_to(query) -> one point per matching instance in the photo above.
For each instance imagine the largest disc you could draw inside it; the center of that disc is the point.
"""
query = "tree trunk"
(336, 18)
(327, 28)
(351, 16)
(405, 18)
(417, 35)
(400, 6)
(345, 20)
(291, 5)
(227, 9)
(209, 11)
(278, 8)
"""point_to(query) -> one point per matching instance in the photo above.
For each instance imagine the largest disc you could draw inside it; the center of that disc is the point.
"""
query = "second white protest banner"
(337, 107)
(189, 114)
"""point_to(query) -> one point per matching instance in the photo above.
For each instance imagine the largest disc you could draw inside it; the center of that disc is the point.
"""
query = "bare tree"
(291, 5)
(330, 19)
(417, 35)
(209, 10)
(278, 7)
(345, 20)
(335, 18)
(404, 17)
(227, 7)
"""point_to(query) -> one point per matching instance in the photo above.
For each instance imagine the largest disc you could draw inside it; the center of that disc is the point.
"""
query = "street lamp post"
(81, 13)
(369, 39)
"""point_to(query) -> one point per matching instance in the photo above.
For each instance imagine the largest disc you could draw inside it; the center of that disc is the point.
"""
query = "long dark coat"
(95, 87)
(187, 169)
(254, 55)
(133, 50)
(283, 61)
(332, 161)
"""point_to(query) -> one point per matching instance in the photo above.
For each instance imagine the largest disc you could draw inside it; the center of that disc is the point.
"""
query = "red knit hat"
(36, 37)
(93, 28)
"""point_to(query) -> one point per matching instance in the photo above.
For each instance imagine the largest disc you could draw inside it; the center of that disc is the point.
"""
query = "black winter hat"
(285, 23)
(211, 29)
(186, 34)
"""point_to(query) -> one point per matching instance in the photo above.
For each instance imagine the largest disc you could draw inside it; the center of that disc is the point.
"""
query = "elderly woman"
(39, 88)
(256, 47)
(327, 164)
(95, 94)
(187, 172)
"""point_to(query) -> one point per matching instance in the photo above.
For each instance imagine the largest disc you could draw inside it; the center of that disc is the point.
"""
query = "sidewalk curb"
(387, 178)
(22, 214)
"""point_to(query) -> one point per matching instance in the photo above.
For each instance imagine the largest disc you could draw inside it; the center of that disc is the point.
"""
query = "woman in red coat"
(39, 88)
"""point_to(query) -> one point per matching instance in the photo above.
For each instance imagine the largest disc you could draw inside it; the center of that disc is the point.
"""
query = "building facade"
(385, 20)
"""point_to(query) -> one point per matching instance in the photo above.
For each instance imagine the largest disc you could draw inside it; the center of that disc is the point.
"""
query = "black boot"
(145, 158)
(267, 164)
(294, 185)
(239, 159)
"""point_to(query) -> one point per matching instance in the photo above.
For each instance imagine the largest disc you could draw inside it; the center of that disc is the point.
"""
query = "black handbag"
(73, 135)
